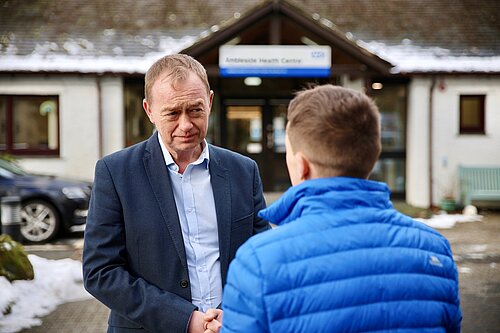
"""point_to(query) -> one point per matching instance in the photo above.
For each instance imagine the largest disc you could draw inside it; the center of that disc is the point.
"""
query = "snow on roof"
(80, 57)
(105, 37)
(409, 58)
(118, 53)
(406, 58)
(82, 64)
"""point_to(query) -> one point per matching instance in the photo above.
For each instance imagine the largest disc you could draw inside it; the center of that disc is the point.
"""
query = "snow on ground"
(448, 221)
(56, 282)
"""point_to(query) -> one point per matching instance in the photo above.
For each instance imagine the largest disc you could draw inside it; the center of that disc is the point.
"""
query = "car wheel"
(40, 221)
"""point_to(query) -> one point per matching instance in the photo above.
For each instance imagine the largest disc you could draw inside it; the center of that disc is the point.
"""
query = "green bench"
(479, 184)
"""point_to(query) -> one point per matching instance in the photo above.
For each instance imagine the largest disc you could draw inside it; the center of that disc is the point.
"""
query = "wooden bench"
(479, 184)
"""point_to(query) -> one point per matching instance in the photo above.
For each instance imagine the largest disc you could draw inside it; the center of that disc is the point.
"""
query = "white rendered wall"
(78, 119)
(452, 149)
(449, 148)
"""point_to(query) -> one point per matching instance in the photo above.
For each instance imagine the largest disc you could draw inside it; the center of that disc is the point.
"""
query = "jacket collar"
(326, 194)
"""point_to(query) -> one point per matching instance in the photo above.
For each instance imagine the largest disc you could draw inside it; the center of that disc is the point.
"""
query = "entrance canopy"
(275, 23)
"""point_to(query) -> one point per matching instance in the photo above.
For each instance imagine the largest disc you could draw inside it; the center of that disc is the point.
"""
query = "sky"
(60, 281)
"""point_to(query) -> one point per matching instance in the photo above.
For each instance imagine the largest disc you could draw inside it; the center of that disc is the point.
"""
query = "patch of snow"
(464, 270)
(448, 221)
(7, 246)
(56, 282)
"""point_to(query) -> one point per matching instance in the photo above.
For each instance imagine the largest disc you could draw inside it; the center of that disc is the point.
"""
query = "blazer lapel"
(219, 178)
(159, 179)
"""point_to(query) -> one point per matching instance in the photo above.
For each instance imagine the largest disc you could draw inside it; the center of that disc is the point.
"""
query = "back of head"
(177, 67)
(337, 129)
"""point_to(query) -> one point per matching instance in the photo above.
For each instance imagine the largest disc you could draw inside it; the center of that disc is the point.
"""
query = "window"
(29, 125)
(137, 124)
(472, 114)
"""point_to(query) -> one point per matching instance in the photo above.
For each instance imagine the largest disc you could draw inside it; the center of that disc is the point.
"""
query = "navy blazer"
(134, 259)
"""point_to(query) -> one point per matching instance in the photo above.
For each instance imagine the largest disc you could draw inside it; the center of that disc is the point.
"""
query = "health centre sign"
(274, 60)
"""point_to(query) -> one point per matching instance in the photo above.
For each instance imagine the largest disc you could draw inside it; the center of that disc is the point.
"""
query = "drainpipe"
(431, 111)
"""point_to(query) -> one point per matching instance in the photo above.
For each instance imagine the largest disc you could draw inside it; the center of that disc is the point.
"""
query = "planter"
(448, 204)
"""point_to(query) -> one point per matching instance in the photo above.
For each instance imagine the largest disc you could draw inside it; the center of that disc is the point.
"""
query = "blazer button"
(184, 283)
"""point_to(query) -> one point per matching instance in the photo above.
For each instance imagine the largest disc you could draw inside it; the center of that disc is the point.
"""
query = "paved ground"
(476, 247)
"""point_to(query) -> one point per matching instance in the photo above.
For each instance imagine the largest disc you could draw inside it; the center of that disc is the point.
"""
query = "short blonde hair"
(337, 129)
(178, 66)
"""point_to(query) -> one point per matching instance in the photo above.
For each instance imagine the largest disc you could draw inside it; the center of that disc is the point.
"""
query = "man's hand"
(196, 324)
(212, 321)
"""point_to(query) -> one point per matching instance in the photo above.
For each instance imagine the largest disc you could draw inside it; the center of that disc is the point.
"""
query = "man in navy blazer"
(168, 214)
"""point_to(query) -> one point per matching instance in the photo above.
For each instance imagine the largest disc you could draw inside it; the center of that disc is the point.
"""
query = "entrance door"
(256, 128)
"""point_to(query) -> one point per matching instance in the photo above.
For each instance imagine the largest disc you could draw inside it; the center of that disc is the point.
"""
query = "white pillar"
(112, 114)
(417, 145)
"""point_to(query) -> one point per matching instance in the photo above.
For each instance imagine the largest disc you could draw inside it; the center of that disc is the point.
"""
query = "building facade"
(60, 113)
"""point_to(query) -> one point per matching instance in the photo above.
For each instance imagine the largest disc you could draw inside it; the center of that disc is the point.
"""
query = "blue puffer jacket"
(342, 260)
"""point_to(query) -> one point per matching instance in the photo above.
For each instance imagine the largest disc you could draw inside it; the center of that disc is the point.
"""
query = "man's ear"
(304, 167)
(210, 101)
(145, 105)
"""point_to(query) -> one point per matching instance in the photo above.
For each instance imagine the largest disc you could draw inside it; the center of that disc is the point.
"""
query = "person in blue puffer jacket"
(342, 259)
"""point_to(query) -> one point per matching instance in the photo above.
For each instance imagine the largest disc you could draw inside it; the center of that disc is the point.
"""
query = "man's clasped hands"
(209, 322)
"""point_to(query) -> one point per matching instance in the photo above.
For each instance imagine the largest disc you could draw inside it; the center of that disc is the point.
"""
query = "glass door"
(244, 129)
(256, 128)
(391, 166)
(276, 146)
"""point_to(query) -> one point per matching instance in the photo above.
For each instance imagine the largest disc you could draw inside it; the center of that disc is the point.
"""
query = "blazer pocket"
(242, 221)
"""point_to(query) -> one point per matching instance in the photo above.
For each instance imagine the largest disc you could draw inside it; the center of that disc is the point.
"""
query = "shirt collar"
(204, 157)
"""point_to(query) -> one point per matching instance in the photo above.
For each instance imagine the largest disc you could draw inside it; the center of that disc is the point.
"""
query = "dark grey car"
(49, 205)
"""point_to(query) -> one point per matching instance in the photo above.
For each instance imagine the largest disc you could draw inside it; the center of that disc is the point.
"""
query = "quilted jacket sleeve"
(243, 302)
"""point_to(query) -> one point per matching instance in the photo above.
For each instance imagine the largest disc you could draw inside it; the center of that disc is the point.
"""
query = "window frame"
(481, 128)
(9, 128)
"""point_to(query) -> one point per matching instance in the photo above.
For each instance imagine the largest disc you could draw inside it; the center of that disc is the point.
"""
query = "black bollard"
(11, 217)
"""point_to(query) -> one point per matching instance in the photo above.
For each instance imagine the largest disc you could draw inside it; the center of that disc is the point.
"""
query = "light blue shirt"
(195, 203)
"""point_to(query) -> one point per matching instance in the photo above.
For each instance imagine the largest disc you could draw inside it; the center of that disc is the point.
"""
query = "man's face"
(180, 114)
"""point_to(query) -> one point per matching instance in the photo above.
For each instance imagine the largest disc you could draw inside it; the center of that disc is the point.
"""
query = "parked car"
(49, 205)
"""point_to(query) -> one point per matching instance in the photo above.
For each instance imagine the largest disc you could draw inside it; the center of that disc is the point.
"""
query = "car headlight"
(74, 192)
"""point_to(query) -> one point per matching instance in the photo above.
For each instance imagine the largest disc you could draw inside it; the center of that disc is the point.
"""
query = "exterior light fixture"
(253, 81)
(377, 85)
